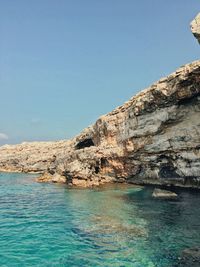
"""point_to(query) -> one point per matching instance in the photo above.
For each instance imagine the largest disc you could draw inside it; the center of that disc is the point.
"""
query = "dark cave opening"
(189, 100)
(97, 169)
(84, 143)
(104, 162)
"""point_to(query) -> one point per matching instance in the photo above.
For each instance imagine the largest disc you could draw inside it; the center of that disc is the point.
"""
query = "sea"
(52, 225)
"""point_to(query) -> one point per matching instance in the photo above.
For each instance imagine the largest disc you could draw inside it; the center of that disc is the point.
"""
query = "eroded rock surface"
(30, 156)
(152, 138)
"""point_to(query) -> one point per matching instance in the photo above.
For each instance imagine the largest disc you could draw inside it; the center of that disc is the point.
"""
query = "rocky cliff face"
(152, 138)
(30, 156)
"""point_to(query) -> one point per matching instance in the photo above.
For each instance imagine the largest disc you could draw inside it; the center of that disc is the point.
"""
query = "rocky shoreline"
(154, 138)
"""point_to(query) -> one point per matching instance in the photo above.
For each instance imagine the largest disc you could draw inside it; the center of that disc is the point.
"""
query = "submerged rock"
(164, 194)
(154, 138)
(190, 258)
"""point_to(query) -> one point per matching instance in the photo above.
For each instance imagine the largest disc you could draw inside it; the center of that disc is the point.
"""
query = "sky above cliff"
(64, 63)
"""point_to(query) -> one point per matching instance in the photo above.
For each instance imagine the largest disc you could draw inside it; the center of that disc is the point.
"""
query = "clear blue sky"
(64, 63)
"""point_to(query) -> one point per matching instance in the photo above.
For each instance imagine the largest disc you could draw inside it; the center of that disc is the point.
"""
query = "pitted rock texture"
(154, 138)
(30, 156)
(195, 27)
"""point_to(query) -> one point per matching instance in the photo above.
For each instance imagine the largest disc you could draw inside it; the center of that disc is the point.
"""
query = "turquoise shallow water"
(52, 225)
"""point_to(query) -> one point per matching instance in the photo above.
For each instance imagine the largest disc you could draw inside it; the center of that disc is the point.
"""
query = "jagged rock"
(44, 178)
(195, 27)
(164, 194)
(55, 178)
(154, 138)
(37, 157)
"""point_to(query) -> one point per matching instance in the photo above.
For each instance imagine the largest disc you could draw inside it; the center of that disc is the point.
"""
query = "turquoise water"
(52, 225)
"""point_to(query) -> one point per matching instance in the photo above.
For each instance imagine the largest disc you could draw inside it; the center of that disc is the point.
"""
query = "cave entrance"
(85, 143)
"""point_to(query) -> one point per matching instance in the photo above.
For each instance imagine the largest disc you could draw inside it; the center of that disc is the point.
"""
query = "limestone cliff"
(152, 138)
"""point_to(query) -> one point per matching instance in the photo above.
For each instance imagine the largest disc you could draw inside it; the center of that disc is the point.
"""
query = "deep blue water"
(52, 225)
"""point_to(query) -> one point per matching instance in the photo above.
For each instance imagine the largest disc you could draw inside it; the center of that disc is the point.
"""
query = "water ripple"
(47, 225)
